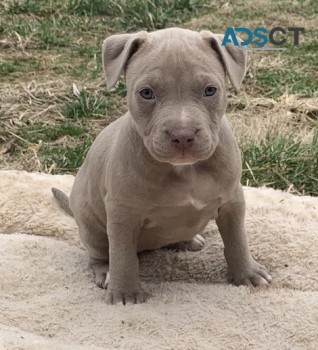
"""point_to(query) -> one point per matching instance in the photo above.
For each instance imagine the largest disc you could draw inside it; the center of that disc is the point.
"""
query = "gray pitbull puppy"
(158, 174)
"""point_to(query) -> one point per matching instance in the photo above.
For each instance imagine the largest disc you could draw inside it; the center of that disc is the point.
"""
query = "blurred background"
(53, 98)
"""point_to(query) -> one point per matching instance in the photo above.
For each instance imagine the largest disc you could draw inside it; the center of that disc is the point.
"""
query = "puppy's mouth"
(182, 156)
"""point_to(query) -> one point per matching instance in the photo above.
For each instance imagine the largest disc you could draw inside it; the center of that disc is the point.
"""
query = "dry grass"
(256, 118)
(26, 104)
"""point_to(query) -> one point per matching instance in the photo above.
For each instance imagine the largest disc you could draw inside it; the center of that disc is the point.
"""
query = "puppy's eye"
(210, 90)
(147, 94)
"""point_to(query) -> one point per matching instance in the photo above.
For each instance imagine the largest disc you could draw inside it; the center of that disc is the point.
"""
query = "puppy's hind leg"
(101, 272)
(96, 242)
(195, 244)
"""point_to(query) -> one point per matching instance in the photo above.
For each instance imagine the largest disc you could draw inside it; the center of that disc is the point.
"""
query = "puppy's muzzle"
(182, 138)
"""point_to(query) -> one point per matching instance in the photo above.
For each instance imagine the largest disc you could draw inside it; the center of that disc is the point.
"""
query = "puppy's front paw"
(253, 274)
(114, 297)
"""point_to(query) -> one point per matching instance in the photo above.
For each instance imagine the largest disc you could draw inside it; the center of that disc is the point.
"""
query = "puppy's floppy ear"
(116, 51)
(233, 58)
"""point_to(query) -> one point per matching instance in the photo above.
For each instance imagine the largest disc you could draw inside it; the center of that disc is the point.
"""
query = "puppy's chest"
(191, 200)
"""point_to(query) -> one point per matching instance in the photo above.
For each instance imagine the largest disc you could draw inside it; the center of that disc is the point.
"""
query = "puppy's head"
(176, 89)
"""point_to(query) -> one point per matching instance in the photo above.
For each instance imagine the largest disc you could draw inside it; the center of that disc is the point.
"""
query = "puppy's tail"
(62, 200)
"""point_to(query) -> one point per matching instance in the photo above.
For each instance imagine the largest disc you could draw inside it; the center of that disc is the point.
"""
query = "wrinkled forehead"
(176, 56)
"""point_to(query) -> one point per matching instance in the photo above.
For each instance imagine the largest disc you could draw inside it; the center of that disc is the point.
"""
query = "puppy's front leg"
(242, 267)
(123, 231)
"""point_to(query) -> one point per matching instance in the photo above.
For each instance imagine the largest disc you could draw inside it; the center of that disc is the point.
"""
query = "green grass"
(156, 14)
(38, 7)
(46, 32)
(92, 7)
(86, 105)
(273, 83)
(66, 158)
(304, 54)
(302, 7)
(62, 146)
(120, 88)
(40, 132)
(77, 27)
(281, 162)
(16, 24)
(89, 51)
(87, 70)
(54, 31)
(21, 64)
(299, 74)
(7, 68)
(121, 15)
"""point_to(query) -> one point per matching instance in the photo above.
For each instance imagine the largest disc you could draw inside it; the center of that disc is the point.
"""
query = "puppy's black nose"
(182, 138)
